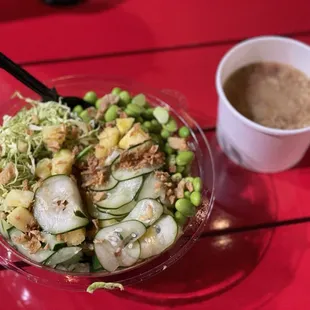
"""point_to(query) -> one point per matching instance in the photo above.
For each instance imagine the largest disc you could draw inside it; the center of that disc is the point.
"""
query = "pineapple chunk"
(109, 137)
(133, 137)
(44, 168)
(18, 198)
(62, 162)
(101, 152)
(21, 218)
(74, 237)
(124, 124)
(54, 136)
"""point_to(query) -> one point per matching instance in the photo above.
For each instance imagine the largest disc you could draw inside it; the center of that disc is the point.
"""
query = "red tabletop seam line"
(152, 50)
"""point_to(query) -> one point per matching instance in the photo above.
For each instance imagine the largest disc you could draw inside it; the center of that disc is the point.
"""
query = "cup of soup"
(263, 87)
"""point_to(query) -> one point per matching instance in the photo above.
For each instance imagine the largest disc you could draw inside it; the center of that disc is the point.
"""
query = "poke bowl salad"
(100, 189)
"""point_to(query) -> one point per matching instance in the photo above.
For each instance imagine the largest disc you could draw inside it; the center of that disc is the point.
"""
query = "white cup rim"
(220, 91)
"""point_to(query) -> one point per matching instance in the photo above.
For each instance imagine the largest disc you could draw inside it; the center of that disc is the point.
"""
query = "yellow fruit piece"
(18, 198)
(101, 152)
(109, 137)
(133, 137)
(74, 237)
(124, 124)
(62, 162)
(21, 218)
(44, 168)
(54, 136)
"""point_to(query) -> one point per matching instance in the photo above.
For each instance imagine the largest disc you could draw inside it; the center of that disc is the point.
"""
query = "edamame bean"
(187, 194)
(195, 198)
(85, 116)
(177, 177)
(165, 134)
(124, 96)
(156, 127)
(116, 91)
(180, 218)
(90, 97)
(78, 109)
(180, 169)
(184, 132)
(172, 125)
(98, 103)
(171, 160)
(168, 150)
(111, 113)
(197, 183)
(184, 158)
(129, 112)
(137, 110)
(147, 124)
(161, 114)
(139, 119)
(189, 179)
(184, 206)
(156, 138)
(148, 113)
(139, 100)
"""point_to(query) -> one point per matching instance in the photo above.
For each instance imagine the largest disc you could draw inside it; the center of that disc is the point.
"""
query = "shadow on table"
(21, 9)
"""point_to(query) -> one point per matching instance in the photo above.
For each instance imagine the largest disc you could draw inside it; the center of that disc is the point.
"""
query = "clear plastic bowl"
(203, 167)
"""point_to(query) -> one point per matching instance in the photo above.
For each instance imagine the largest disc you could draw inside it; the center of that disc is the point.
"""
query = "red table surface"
(263, 268)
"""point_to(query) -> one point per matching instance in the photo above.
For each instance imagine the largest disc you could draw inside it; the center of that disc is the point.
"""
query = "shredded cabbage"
(25, 129)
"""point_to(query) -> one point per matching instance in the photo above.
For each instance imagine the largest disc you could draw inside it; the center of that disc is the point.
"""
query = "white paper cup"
(249, 144)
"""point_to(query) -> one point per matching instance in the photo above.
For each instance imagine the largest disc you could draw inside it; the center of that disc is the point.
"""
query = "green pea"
(85, 116)
(189, 179)
(124, 96)
(111, 113)
(197, 183)
(187, 194)
(130, 112)
(184, 132)
(172, 125)
(116, 91)
(177, 177)
(168, 150)
(148, 113)
(90, 97)
(139, 100)
(136, 109)
(78, 109)
(98, 103)
(161, 114)
(184, 206)
(195, 198)
(165, 134)
(144, 129)
(156, 127)
(139, 119)
(180, 218)
(184, 158)
(147, 124)
(180, 169)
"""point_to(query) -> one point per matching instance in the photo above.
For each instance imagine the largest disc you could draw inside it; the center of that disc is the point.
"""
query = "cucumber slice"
(53, 217)
(39, 257)
(110, 159)
(53, 243)
(97, 214)
(111, 241)
(130, 254)
(111, 183)
(122, 174)
(123, 193)
(78, 267)
(68, 255)
(150, 188)
(147, 211)
(158, 237)
(124, 210)
(4, 228)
